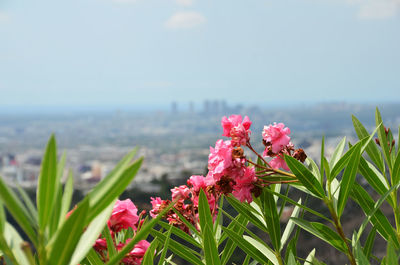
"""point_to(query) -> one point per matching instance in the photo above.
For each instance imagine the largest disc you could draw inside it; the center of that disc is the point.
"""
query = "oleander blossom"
(244, 185)
(156, 204)
(278, 162)
(236, 129)
(135, 256)
(181, 192)
(220, 158)
(123, 216)
(277, 135)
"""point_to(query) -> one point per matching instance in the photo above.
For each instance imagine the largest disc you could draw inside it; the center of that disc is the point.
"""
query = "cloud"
(185, 2)
(378, 9)
(185, 20)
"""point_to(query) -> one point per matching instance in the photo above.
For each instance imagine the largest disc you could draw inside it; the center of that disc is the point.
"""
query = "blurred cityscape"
(174, 142)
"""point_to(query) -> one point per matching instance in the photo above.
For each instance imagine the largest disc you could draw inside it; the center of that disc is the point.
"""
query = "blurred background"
(108, 75)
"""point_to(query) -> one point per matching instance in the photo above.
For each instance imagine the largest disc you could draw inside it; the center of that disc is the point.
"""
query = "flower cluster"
(230, 171)
(277, 144)
(123, 218)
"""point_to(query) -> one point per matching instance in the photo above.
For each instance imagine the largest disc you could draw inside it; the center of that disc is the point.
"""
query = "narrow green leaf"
(323, 232)
(396, 170)
(383, 139)
(301, 206)
(371, 149)
(248, 212)
(210, 247)
(178, 232)
(166, 244)
(263, 248)
(67, 237)
(112, 251)
(94, 258)
(348, 179)
(337, 153)
(272, 219)
(290, 225)
(246, 246)
(17, 210)
(305, 176)
(321, 180)
(111, 187)
(13, 243)
(344, 160)
(148, 258)
(230, 246)
(29, 204)
(90, 235)
(359, 254)
(374, 215)
(67, 196)
(312, 166)
(177, 248)
(391, 255)
(47, 184)
(204, 211)
(291, 259)
(327, 169)
(369, 243)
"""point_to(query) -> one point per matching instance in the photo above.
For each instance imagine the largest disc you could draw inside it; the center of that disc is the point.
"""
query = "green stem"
(279, 258)
(339, 229)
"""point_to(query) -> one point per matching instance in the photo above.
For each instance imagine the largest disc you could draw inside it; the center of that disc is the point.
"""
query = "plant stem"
(339, 229)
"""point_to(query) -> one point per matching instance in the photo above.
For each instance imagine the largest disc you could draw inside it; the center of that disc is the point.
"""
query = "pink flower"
(135, 256)
(234, 128)
(100, 245)
(278, 162)
(244, 185)
(181, 192)
(156, 204)
(197, 182)
(124, 215)
(220, 158)
(277, 135)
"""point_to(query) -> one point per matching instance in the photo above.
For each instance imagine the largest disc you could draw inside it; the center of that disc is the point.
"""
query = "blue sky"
(149, 52)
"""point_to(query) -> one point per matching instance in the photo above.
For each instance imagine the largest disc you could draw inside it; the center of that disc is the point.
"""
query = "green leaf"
(17, 210)
(112, 251)
(383, 139)
(166, 244)
(247, 211)
(29, 205)
(373, 214)
(323, 232)
(337, 153)
(67, 196)
(369, 244)
(112, 186)
(312, 166)
(371, 149)
(178, 232)
(321, 180)
(47, 183)
(90, 235)
(204, 211)
(263, 248)
(210, 247)
(299, 205)
(305, 176)
(272, 219)
(148, 258)
(13, 243)
(230, 246)
(290, 225)
(94, 258)
(396, 170)
(67, 237)
(348, 179)
(291, 259)
(391, 256)
(248, 248)
(359, 254)
(177, 248)
(344, 160)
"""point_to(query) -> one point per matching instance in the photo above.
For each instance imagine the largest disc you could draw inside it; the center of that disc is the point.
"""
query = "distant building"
(174, 107)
